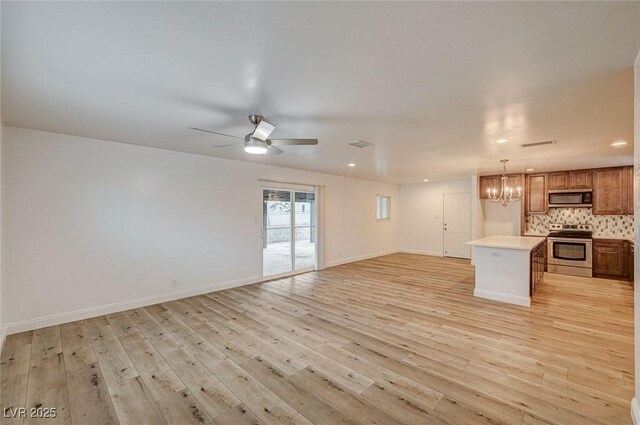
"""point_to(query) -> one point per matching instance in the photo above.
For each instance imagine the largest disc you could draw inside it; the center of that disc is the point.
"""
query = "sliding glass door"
(289, 231)
(305, 231)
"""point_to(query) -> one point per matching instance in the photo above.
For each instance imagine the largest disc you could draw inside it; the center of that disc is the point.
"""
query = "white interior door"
(457, 225)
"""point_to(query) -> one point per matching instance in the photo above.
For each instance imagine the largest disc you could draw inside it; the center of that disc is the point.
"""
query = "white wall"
(91, 225)
(2, 280)
(635, 408)
(499, 220)
(477, 214)
(421, 216)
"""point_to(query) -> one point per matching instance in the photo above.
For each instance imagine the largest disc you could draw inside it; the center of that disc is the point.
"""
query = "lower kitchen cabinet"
(630, 255)
(538, 265)
(610, 258)
(630, 184)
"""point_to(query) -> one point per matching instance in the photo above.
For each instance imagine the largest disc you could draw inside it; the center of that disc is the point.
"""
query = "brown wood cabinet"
(536, 200)
(630, 185)
(515, 181)
(612, 188)
(610, 191)
(576, 179)
(559, 180)
(630, 259)
(487, 182)
(609, 258)
(538, 263)
(490, 182)
(581, 179)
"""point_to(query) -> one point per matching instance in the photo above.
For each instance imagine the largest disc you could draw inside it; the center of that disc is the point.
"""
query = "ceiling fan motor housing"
(255, 119)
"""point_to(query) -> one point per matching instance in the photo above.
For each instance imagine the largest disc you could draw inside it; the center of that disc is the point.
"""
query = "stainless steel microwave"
(570, 199)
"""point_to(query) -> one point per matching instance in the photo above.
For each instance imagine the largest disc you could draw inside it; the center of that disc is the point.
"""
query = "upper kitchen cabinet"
(487, 182)
(581, 179)
(565, 180)
(490, 182)
(610, 191)
(536, 194)
(558, 180)
(515, 181)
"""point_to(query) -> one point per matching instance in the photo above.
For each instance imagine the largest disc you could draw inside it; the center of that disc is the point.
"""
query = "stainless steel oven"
(570, 256)
(570, 249)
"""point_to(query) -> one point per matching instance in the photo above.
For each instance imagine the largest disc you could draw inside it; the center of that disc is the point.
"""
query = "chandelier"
(507, 194)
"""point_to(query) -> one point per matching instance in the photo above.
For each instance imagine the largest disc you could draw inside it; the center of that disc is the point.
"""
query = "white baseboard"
(635, 411)
(422, 252)
(360, 258)
(57, 319)
(497, 296)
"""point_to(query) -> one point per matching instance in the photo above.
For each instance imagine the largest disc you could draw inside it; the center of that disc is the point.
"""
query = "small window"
(384, 207)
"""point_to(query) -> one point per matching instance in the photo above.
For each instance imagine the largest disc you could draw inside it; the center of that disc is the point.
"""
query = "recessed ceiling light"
(501, 141)
(352, 164)
(619, 143)
(425, 180)
(530, 169)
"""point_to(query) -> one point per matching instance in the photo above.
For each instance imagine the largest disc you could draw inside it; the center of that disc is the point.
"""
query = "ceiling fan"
(257, 142)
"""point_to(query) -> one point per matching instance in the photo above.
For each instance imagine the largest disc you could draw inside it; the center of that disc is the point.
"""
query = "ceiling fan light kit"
(258, 142)
(255, 146)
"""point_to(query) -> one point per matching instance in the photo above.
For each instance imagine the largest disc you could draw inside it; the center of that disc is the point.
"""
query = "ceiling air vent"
(360, 144)
(546, 142)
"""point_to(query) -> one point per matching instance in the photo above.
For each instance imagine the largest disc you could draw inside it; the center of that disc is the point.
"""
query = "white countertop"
(526, 243)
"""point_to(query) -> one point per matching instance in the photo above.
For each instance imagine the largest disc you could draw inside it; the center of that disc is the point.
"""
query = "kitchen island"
(508, 267)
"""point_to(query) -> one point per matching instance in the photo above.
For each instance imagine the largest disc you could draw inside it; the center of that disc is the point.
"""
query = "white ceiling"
(432, 85)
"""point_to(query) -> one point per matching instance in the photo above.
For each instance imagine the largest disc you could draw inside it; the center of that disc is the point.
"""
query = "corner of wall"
(3, 330)
(477, 216)
(635, 411)
(3, 321)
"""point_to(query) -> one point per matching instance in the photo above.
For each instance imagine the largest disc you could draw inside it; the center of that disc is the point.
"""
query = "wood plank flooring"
(398, 339)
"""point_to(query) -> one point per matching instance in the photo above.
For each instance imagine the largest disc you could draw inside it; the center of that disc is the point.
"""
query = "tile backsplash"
(604, 226)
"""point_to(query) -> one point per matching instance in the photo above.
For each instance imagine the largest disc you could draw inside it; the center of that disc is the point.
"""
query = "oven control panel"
(559, 226)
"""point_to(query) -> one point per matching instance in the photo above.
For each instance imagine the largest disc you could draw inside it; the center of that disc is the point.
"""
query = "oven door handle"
(587, 242)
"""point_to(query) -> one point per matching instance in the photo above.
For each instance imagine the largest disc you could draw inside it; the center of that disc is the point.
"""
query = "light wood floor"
(393, 340)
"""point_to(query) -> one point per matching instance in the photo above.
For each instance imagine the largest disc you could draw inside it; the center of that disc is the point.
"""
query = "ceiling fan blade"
(215, 132)
(224, 146)
(263, 130)
(284, 142)
(275, 150)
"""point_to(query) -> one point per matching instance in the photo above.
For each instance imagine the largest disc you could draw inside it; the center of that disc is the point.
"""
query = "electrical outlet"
(174, 283)
(495, 254)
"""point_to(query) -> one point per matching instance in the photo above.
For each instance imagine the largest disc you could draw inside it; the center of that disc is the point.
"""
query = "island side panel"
(503, 274)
